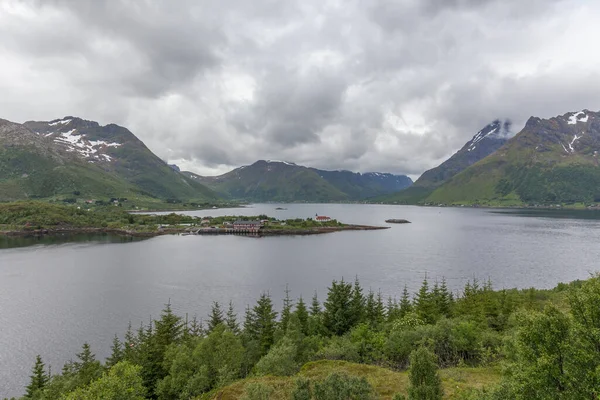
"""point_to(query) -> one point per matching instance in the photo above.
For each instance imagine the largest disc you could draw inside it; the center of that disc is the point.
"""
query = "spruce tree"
(231, 319)
(117, 353)
(337, 316)
(392, 310)
(196, 327)
(405, 303)
(424, 305)
(286, 311)
(249, 325)
(358, 303)
(371, 308)
(315, 306)
(215, 317)
(446, 299)
(264, 322)
(38, 380)
(379, 309)
(86, 368)
(424, 381)
(302, 314)
(167, 330)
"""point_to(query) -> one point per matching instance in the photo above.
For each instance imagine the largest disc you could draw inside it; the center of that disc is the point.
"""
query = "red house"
(322, 218)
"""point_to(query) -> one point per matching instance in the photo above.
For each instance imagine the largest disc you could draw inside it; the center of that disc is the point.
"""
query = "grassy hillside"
(548, 162)
(485, 142)
(274, 181)
(74, 157)
(288, 182)
(385, 382)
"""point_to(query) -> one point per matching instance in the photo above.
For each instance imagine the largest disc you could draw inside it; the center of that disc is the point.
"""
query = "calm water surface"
(57, 293)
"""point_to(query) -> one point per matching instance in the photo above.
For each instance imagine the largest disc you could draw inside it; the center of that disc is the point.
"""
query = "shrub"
(280, 360)
(258, 391)
(302, 390)
(425, 383)
(341, 386)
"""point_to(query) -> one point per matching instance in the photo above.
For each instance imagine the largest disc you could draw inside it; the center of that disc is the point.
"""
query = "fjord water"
(57, 293)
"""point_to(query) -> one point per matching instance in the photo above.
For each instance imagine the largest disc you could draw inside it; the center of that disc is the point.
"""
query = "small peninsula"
(40, 218)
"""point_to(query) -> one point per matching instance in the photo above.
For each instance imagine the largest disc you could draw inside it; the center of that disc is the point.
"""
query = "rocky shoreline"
(186, 230)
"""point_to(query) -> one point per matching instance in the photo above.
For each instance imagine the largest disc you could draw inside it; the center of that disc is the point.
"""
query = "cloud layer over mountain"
(393, 86)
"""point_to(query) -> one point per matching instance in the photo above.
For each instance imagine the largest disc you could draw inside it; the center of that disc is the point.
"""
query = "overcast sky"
(366, 85)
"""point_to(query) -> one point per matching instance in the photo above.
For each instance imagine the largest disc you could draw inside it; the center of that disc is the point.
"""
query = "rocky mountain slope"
(285, 181)
(485, 142)
(550, 161)
(58, 158)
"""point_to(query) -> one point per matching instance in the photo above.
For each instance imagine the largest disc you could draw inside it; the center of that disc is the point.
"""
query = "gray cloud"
(392, 86)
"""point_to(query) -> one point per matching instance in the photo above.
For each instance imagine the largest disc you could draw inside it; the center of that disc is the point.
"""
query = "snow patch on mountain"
(63, 122)
(75, 142)
(278, 161)
(575, 118)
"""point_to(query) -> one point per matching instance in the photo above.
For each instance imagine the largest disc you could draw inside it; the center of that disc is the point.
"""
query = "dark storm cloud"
(382, 85)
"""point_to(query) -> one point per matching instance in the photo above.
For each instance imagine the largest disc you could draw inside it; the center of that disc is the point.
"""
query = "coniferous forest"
(540, 344)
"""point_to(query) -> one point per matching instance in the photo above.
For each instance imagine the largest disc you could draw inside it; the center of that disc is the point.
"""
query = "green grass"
(385, 382)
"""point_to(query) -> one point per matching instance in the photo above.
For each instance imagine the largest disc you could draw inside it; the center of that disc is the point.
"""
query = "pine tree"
(315, 306)
(379, 309)
(86, 368)
(446, 299)
(302, 314)
(425, 383)
(405, 303)
(357, 303)
(392, 310)
(167, 330)
(371, 308)
(129, 345)
(231, 319)
(216, 316)
(264, 320)
(117, 353)
(286, 311)
(38, 379)
(249, 324)
(196, 327)
(337, 316)
(424, 305)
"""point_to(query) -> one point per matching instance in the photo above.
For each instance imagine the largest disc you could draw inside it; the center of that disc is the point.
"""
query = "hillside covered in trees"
(479, 344)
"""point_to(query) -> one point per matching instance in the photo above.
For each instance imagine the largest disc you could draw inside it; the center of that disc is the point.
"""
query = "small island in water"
(397, 221)
(40, 218)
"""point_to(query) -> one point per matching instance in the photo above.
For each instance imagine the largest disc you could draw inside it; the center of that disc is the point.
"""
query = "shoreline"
(188, 231)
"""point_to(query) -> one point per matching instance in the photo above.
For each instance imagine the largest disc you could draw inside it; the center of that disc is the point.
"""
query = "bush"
(425, 383)
(341, 386)
(280, 360)
(302, 390)
(258, 391)
(339, 348)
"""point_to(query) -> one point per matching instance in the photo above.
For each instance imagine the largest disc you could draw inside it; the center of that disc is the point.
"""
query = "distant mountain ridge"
(551, 160)
(272, 180)
(482, 144)
(44, 159)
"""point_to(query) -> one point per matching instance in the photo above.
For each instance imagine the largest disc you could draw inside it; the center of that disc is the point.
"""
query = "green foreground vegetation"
(479, 344)
(35, 216)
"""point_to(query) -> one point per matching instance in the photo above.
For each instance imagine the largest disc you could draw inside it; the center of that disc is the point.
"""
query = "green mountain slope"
(283, 181)
(550, 161)
(485, 142)
(71, 155)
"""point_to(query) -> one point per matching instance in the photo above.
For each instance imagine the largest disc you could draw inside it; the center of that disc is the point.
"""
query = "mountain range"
(549, 161)
(268, 180)
(485, 142)
(73, 157)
